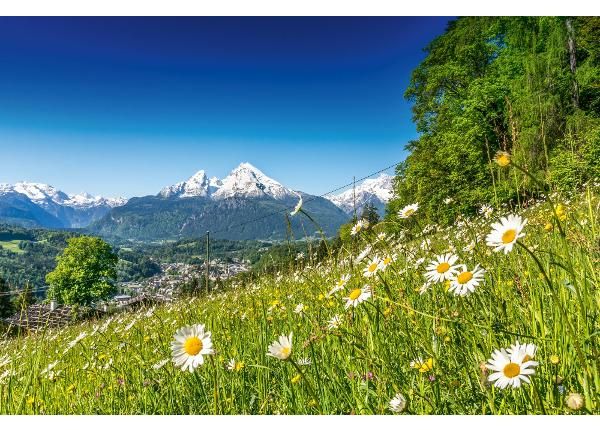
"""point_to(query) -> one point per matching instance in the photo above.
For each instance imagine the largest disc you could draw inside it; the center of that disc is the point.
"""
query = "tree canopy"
(526, 85)
(85, 272)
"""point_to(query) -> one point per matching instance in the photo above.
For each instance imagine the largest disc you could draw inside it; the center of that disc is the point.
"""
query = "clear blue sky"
(125, 106)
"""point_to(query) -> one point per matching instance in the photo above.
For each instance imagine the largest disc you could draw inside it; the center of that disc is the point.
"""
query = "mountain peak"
(248, 181)
(373, 190)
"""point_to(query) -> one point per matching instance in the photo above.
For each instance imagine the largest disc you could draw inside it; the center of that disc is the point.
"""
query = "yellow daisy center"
(509, 236)
(464, 277)
(443, 267)
(387, 261)
(193, 345)
(372, 267)
(285, 351)
(409, 212)
(511, 370)
(355, 294)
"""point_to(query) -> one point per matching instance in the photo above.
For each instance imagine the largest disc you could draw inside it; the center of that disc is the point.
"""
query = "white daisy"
(357, 296)
(408, 211)
(190, 346)
(398, 403)
(527, 350)
(441, 268)
(334, 323)
(363, 254)
(372, 267)
(486, 210)
(281, 348)
(386, 261)
(360, 225)
(465, 281)
(505, 233)
(510, 368)
(340, 284)
(299, 308)
(381, 236)
(297, 207)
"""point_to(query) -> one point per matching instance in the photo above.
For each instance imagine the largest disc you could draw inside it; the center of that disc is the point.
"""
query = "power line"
(286, 209)
(13, 293)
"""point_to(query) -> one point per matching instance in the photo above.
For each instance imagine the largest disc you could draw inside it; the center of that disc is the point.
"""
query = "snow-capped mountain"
(43, 205)
(376, 190)
(246, 204)
(245, 181)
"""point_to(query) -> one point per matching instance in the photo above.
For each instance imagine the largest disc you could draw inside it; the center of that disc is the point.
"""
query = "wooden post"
(354, 195)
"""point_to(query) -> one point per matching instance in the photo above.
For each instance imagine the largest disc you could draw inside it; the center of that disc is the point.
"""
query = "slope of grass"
(12, 246)
(421, 341)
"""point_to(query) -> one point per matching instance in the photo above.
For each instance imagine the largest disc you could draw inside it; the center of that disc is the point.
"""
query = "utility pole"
(354, 195)
(207, 263)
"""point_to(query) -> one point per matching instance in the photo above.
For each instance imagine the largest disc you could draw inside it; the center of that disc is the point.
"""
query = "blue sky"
(125, 106)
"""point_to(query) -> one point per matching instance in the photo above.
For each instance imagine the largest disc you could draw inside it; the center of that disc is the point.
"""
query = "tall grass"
(543, 292)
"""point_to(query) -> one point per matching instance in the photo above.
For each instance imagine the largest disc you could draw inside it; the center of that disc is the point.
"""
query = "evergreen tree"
(369, 213)
(6, 307)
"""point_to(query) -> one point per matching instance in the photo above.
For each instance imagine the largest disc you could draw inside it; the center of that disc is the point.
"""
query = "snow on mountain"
(243, 181)
(375, 190)
(196, 186)
(247, 181)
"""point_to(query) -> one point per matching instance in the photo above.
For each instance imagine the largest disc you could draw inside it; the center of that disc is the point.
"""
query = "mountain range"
(239, 206)
(39, 205)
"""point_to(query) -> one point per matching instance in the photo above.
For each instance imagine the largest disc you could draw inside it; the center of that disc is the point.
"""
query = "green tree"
(25, 298)
(526, 85)
(6, 307)
(85, 272)
(369, 213)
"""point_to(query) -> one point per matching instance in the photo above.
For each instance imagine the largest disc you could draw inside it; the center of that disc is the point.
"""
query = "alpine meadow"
(469, 286)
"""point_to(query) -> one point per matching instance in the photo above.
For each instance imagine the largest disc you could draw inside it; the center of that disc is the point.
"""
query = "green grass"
(359, 367)
(12, 245)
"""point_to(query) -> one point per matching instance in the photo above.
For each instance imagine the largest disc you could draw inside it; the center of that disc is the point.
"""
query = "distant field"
(12, 245)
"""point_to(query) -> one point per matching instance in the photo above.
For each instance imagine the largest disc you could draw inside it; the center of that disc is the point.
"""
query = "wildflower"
(465, 281)
(381, 236)
(235, 366)
(357, 296)
(486, 210)
(334, 323)
(422, 365)
(441, 268)
(505, 233)
(305, 361)
(398, 403)
(296, 378)
(408, 211)
(448, 200)
(574, 401)
(548, 227)
(510, 368)
(469, 247)
(299, 308)
(363, 254)
(527, 350)
(297, 207)
(360, 225)
(282, 348)
(160, 364)
(340, 284)
(372, 267)
(190, 346)
(425, 287)
(502, 158)
(386, 261)
(554, 359)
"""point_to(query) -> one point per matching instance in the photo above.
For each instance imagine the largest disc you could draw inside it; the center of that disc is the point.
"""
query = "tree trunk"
(573, 60)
